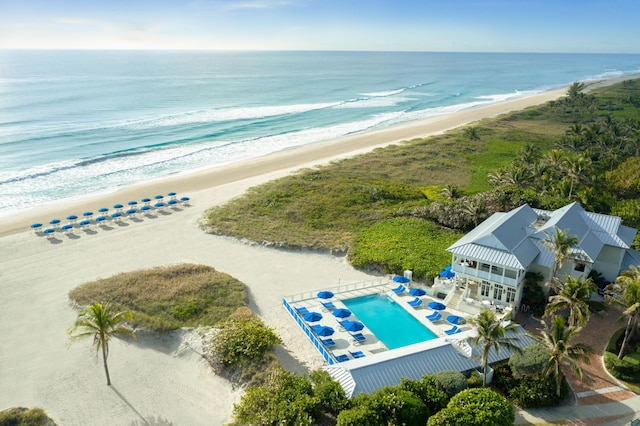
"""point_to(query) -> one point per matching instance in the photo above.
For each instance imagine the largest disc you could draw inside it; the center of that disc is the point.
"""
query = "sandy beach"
(163, 380)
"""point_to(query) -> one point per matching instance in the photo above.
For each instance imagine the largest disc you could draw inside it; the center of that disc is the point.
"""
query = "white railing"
(341, 288)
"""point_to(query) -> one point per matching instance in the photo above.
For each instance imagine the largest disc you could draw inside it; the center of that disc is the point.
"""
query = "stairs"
(453, 298)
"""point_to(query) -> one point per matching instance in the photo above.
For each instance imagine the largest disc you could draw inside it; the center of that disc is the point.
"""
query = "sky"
(576, 26)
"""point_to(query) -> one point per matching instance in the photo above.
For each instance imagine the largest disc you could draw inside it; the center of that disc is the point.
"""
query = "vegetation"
(556, 341)
(450, 382)
(574, 296)
(167, 298)
(97, 321)
(625, 292)
(560, 243)
(577, 148)
(529, 362)
(475, 407)
(491, 334)
(21, 416)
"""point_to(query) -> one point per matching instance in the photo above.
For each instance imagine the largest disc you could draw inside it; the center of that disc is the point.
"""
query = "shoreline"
(284, 161)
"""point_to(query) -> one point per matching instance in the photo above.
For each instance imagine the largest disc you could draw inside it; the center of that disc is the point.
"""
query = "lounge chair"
(358, 337)
(342, 358)
(453, 330)
(302, 310)
(399, 290)
(357, 354)
(328, 305)
(329, 343)
(435, 316)
(342, 323)
(415, 302)
(315, 328)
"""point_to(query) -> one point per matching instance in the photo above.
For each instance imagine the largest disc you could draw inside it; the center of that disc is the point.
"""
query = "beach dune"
(162, 379)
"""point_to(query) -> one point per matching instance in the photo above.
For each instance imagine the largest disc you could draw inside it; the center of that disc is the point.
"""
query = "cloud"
(76, 21)
(259, 4)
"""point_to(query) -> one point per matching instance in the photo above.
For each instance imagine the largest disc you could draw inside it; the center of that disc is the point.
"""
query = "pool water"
(390, 322)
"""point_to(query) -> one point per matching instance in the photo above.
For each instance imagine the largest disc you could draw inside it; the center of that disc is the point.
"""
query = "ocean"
(75, 123)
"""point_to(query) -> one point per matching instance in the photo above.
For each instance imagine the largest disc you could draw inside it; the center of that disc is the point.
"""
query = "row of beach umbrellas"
(325, 331)
(103, 213)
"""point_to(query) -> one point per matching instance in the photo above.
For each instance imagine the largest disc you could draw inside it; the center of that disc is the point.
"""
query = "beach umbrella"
(158, 197)
(132, 203)
(172, 194)
(54, 222)
(172, 202)
(184, 199)
(72, 217)
(36, 226)
(131, 211)
(66, 227)
(145, 208)
(447, 268)
(103, 210)
(116, 215)
(87, 214)
(146, 200)
(100, 219)
(417, 292)
(312, 316)
(354, 326)
(455, 319)
(437, 306)
(325, 331)
(49, 231)
(84, 223)
(342, 313)
(118, 206)
(325, 294)
(400, 279)
(158, 205)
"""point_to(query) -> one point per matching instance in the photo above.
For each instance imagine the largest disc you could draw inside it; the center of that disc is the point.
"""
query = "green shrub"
(328, 391)
(475, 407)
(427, 390)
(530, 362)
(621, 368)
(536, 392)
(397, 406)
(286, 399)
(474, 380)
(451, 382)
(21, 416)
(238, 340)
(358, 416)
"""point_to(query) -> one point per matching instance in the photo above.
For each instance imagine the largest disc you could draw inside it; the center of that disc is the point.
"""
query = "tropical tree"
(574, 295)
(560, 243)
(556, 342)
(625, 292)
(97, 321)
(575, 90)
(450, 192)
(491, 333)
(471, 133)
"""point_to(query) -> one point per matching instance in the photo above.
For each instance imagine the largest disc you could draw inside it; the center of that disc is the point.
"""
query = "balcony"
(484, 275)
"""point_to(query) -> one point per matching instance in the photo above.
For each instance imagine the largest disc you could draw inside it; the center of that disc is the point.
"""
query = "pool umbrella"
(455, 319)
(312, 316)
(354, 326)
(325, 294)
(103, 210)
(447, 268)
(325, 331)
(342, 313)
(36, 226)
(447, 274)
(417, 292)
(400, 279)
(437, 306)
(72, 217)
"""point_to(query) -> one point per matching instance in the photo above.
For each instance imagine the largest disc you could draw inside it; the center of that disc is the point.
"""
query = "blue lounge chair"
(415, 302)
(453, 330)
(328, 305)
(302, 310)
(435, 316)
(399, 290)
(342, 358)
(329, 343)
(316, 328)
(357, 354)
(358, 337)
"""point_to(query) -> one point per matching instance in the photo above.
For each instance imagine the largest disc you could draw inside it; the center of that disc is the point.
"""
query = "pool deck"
(344, 343)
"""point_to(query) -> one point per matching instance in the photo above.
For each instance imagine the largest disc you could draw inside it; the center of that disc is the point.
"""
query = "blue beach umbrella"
(184, 199)
(100, 219)
(171, 194)
(118, 206)
(146, 200)
(158, 205)
(36, 226)
(132, 203)
(84, 223)
(103, 210)
(312, 316)
(354, 326)
(87, 214)
(49, 231)
(417, 292)
(437, 306)
(342, 313)
(455, 319)
(66, 227)
(325, 294)
(72, 217)
(131, 211)
(324, 331)
(54, 221)
(145, 208)
(116, 215)
(172, 202)
(400, 279)
(159, 197)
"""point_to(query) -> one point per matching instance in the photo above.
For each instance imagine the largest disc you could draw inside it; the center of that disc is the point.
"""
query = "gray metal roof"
(388, 368)
(631, 258)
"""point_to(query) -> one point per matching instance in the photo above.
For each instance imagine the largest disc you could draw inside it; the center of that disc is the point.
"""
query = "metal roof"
(413, 362)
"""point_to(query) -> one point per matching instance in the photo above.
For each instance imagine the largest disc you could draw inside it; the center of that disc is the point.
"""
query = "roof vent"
(541, 220)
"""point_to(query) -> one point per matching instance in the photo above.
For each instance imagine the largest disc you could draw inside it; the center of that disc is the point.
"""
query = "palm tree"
(556, 342)
(491, 333)
(575, 296)
(471, 133)
(450, 192)
(575, 90)
(97, 321)
(625, 292)
(576, 169)
(560, 244)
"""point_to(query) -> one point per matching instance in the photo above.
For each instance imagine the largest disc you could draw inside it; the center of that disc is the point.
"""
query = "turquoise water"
(79, 123)
(390, 322)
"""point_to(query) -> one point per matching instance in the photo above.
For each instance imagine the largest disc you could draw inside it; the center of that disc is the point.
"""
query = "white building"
(491, 261)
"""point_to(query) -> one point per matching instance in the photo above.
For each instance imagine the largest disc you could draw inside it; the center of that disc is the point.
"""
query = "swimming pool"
(393, 325)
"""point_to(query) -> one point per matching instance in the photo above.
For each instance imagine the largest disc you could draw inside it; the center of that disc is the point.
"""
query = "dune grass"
(166, 298)
(21, 416)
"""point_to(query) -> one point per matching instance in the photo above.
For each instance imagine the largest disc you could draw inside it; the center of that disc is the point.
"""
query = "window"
(485, 266)
(510, 273)
(511, 295)
(497, 292)
(484, 289)
(579, 267)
